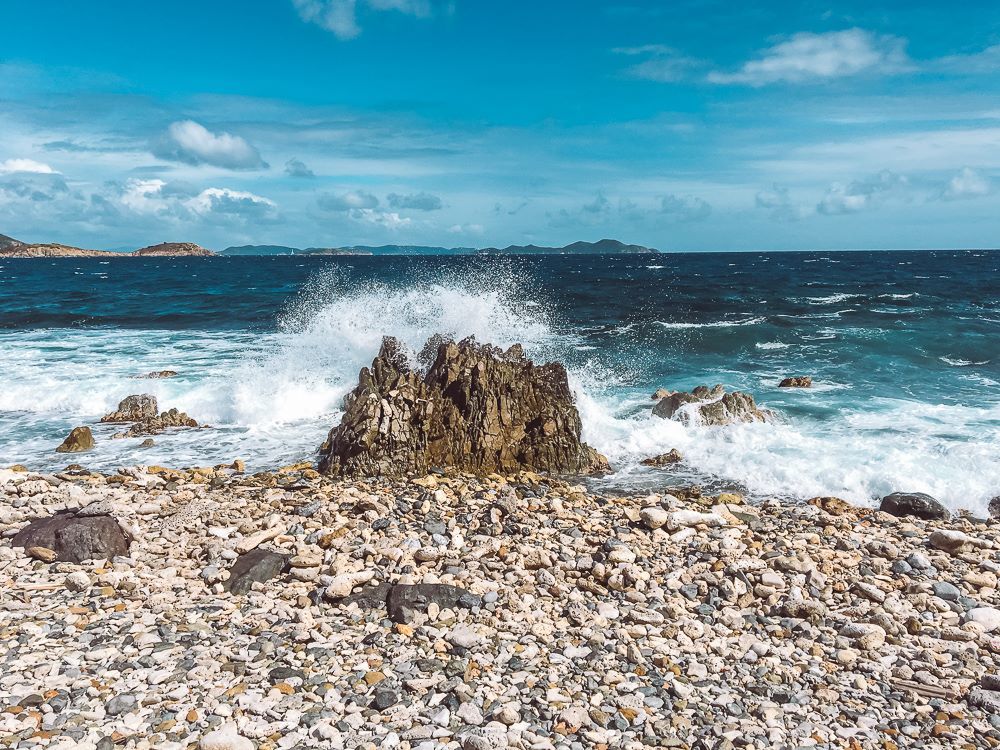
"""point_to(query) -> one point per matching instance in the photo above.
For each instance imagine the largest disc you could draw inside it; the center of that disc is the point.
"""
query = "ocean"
(903, 348)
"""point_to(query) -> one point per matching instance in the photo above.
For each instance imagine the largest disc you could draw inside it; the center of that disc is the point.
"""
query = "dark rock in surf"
(157, 375)
(664, 459)
(915, 504)
(157, 424)
(134, 408)
(75, 538)
(255, 566)
(79, 439)
(796, 381)
(715, 406)
(476, 408)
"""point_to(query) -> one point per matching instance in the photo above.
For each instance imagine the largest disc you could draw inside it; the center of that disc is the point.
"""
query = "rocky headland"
(11, 248)
(427, 590)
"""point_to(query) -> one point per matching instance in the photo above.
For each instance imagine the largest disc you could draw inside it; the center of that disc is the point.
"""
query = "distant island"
(601, 247)
(11, 248)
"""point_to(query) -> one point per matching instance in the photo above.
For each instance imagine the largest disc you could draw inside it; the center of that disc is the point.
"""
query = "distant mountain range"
(12, 248)
(601, 247)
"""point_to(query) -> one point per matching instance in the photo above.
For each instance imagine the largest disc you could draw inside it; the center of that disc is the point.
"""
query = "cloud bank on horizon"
(695, 126)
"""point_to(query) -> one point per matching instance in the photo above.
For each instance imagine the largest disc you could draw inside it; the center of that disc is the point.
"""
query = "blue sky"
(681, 125)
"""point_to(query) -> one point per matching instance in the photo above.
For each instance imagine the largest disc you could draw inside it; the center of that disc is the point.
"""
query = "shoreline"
(586, 620)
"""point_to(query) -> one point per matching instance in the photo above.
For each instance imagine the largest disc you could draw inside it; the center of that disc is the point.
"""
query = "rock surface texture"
(74, 538)
(135, 408)
(708, 406)
(915, 504)
(476, 408)
(79, 439)
(796, 381)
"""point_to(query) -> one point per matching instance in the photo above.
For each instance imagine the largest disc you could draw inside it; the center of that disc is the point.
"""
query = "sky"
(686, 125)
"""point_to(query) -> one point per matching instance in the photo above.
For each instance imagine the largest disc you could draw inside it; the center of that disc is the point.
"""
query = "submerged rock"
(476, 408)
(157, 375)
(715, 406)
(74, 538)
(796, 381)
(914, 504)
(79, 439)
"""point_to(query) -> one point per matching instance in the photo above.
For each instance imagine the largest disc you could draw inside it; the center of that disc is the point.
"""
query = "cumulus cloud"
(192, 143)
(861, 195)
(28, 166)
(353, 200)
(341, 16)
(657, 62)
(386, 219)
(298, 168)
(778, 201)
(416, 201)
(967, 183)
(806, 57)
(685, 207)
(158, 198)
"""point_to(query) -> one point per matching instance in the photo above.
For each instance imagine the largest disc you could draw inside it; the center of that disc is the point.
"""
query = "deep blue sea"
(904, 349)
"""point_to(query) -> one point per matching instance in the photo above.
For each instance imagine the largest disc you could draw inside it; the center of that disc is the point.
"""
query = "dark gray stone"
(915, 504)
(404, 600)
(75, 538)
(255, 566)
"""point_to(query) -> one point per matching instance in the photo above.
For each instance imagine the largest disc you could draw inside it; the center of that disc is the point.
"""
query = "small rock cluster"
(707, 406)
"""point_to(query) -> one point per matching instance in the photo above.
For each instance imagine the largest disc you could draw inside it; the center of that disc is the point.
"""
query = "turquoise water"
(904, 349)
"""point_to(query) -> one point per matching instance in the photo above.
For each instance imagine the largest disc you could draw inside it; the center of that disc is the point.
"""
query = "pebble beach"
(575, 621)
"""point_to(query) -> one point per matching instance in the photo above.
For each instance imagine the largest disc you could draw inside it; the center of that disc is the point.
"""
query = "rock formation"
(133, 409)
(157, 375)
(172, 249)
(715, 406)
(914, 504)
(476, 408)
(79, 439)
(669, 458)
(796, 381)
(74, 537)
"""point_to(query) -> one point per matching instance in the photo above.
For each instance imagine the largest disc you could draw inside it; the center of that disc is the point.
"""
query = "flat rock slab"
(256, 566)
(75, 538)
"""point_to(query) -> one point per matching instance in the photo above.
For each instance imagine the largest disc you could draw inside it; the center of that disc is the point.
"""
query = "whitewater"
(904, 400)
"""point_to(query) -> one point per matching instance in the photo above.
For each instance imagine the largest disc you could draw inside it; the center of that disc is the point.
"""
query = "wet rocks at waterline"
(708, 406)
(476, 407)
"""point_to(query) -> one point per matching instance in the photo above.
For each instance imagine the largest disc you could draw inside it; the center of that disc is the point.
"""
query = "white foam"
(715, 324)
(771, 345)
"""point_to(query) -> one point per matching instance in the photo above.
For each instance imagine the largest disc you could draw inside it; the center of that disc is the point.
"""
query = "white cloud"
(297, 168)
(778, 201)
(192, 143)
(476, 229)
(861, 195)
(806, 57)
(415, 201)
(986, 61)
(25, 165)
(387, 219)
(157, 198)
(658, 63)
(353, 200)
(968, 183)
(341, 16)
(685, 207)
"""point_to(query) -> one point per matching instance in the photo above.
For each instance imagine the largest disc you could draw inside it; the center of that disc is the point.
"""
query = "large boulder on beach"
(476, 407)
(134, 408)
(79, 439)
(74, 537)
(713, 406)
(915, 504)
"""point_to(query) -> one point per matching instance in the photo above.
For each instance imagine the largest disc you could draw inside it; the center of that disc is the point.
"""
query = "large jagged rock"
(716, 407)
(134, 408)
(75, 537)
(157, 424)
(476, 408)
